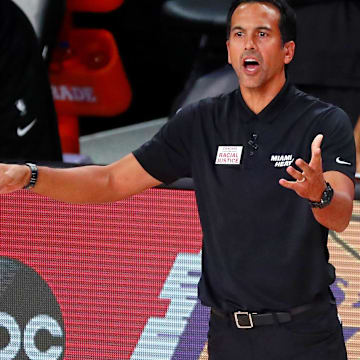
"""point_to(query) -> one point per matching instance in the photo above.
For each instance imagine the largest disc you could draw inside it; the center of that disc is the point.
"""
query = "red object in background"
(87, 79)
(86, 73)
(90, 79)
(69, 131)
(94, 5)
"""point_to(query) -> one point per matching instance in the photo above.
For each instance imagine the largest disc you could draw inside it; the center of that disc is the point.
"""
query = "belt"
(248, 320)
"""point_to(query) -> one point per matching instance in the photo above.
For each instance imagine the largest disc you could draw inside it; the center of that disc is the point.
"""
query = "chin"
(251, 84)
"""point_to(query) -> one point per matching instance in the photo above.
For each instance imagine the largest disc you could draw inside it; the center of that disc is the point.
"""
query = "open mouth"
(251, 64)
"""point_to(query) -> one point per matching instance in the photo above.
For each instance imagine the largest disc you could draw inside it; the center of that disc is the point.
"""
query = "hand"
(310, 182)
(13, 177)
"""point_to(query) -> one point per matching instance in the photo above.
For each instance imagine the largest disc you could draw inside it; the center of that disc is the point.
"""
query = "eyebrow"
(238, 27)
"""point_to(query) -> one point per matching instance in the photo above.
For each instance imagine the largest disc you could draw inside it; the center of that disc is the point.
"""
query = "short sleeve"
(338, 146)
(167, 156)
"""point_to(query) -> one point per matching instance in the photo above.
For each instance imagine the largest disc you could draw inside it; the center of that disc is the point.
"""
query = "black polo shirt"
(262, 247)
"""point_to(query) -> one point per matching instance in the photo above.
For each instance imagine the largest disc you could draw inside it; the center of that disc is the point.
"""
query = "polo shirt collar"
(273, 109)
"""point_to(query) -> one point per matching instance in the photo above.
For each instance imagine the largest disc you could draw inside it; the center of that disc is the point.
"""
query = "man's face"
(255, 48)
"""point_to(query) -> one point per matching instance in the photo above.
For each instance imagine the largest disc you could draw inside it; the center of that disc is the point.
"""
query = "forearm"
(337, 215)
(88, 184)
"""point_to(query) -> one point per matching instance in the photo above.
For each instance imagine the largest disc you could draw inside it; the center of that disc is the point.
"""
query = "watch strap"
(33, 176)
(326, 198)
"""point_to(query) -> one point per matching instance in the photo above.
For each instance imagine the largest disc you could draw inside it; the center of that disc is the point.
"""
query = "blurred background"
(114, 64)
(157, 59)
(117, 70)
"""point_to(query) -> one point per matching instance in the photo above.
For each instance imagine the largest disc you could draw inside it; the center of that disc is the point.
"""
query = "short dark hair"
(287, 23)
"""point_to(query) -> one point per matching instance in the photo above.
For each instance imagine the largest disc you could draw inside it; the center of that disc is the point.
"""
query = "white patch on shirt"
(20, 105)
(280, 161)
(229, 155)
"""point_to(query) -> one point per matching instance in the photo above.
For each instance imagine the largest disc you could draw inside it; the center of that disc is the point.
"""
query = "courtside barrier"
(119, 280)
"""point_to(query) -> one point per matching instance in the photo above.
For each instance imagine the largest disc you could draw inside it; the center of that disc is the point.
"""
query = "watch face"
(326, 196)
(328, 193)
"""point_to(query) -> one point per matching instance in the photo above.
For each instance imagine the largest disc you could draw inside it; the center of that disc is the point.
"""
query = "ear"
(228, 51)
(289, 49)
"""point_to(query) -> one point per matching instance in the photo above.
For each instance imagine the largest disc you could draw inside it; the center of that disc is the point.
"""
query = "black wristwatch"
(33, 176)
(326, 198)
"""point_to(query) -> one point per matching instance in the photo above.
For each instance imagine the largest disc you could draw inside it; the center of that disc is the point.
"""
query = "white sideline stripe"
(124, 130)
(110, 145)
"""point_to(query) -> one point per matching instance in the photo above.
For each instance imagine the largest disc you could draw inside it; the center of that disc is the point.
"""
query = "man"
(28, 121)
(273, 171)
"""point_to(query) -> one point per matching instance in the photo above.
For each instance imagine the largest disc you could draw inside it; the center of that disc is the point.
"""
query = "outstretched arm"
(87, 184)
(310, 183)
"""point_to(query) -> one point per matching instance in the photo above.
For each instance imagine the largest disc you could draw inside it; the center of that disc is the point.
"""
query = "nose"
(249, 43)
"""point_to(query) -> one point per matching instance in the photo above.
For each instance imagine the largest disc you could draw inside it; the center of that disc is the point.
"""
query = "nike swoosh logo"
(23, 131)
(342, 162)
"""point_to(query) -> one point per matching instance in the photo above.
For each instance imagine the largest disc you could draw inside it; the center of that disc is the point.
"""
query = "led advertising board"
(119, 281)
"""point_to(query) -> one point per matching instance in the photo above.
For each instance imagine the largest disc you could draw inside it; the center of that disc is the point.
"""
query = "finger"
(304, 167)
(316, 151)
(297, 175)
(6, 179)
(288, 184)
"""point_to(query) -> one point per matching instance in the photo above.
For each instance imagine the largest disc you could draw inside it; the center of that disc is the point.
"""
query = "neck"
(258, 98)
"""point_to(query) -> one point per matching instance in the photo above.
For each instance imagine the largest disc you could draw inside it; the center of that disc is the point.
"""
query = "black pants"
(314, 335)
